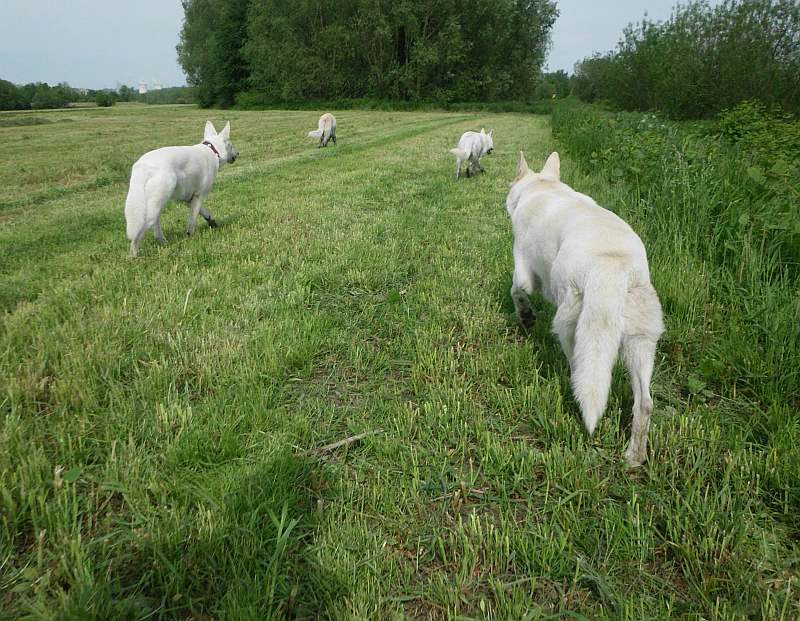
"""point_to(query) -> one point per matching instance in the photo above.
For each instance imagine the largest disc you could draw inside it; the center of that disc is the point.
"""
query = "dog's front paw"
(526, 318)
(212, 223)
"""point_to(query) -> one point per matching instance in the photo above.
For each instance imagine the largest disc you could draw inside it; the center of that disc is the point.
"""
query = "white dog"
(472, 147)
(326, 130)
(589, 263)
(175, 173)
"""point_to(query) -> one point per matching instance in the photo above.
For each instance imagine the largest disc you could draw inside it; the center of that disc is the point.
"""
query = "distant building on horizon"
(142, 88)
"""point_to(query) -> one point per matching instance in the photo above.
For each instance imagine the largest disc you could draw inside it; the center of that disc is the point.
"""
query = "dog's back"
(565, 232)
(470, 143)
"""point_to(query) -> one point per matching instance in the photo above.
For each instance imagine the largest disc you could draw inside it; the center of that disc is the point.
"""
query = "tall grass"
(722, 228)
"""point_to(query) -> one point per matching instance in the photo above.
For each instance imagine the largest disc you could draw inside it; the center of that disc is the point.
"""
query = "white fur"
(175, 173)
(326, 130)
(472, 147)
(589, 263)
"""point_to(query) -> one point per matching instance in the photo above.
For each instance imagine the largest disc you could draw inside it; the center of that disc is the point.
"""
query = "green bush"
(104, 99)
(702, 60)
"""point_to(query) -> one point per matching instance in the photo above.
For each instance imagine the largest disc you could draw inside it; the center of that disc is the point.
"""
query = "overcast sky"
(99, 43)
(90, 43)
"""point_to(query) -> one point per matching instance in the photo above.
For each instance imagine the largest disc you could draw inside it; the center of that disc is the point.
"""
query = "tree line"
(701, 60)
(272, 51)
(40, 95)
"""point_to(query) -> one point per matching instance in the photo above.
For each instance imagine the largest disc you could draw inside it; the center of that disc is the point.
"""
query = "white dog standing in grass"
(175, 173)
(326, 130)
(471, 148)
(589, 263)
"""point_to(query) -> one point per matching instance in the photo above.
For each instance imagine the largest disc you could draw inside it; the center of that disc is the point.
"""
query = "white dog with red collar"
(183, 174)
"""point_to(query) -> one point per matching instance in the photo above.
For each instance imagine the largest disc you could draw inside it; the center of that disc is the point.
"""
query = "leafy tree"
(104, 99)
(702, 60)
(42, 95)
(12, 97)
(555, 84)
(126, 93)
(281, 50)
(210, 50)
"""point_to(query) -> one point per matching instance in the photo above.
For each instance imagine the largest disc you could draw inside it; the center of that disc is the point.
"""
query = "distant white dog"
(471, 148)
(175, 173)
(589, 263)
(326, 130)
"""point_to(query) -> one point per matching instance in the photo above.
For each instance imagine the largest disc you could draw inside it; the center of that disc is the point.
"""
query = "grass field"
(160, 416)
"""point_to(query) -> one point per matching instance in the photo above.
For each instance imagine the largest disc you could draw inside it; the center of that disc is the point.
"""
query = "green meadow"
(168, 424)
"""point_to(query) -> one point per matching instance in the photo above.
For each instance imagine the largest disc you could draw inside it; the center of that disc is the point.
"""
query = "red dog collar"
(213, 148)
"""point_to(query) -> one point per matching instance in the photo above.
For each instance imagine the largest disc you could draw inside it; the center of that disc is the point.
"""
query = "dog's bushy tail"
(136, 203)
(598, 336)
(460, 153)
(317, 133)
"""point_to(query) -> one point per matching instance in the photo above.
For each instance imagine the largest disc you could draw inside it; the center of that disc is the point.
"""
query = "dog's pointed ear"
(209, 131)
(491, 131)
(522, 165)
(226, 131)
(552, 167)
(483, 131)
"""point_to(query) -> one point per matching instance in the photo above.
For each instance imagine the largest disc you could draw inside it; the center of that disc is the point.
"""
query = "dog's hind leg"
(137, 239)
(208, 217)
(522, 287)
(158, 232)
(639, 355)
(458, 167)
(565, 322)
(155, 197)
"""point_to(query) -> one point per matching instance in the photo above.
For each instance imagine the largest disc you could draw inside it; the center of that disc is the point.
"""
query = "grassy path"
(158, 415)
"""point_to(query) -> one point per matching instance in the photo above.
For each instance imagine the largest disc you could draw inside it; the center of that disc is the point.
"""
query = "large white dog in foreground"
(175, 173)
(472, 146)
(589, 263)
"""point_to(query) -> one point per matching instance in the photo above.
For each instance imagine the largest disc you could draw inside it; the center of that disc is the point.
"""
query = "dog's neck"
(213, 148)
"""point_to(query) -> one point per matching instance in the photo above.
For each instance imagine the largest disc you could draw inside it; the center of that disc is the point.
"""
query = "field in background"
(159, 416)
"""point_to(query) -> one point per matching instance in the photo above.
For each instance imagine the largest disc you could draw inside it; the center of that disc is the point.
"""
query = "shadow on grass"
(240, 554)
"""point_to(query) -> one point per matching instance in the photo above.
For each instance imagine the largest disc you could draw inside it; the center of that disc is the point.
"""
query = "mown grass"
(159, 415)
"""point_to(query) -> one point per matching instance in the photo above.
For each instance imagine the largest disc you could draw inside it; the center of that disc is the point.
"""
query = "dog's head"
(488, 141)
(526, 178)
(222, 142)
